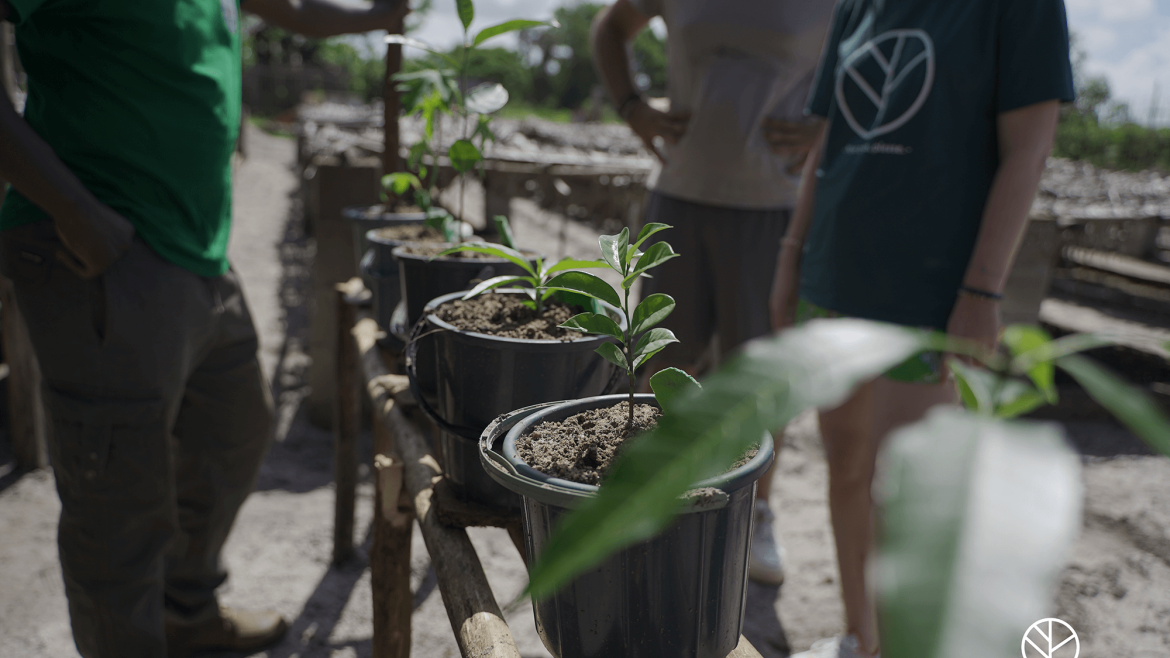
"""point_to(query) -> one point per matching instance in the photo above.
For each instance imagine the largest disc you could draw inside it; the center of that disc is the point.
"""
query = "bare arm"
(326, 18)
(613, 29)
(94, 234)
(786, 283)
(1025, 139)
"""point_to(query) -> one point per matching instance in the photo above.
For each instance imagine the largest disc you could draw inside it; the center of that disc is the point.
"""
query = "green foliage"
(562, 65)
(628, 262)
(977, 518)
(1127, 146)
(504, 230)
(539, 275)
(671, 384)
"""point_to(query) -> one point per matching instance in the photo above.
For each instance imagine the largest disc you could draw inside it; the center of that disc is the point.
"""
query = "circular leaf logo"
(1050, 638)
(882, 84)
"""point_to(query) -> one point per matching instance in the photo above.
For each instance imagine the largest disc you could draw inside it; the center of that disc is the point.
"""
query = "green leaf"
(1061, 347)
(400, 182)
(655, 340)
(401, 40)
(464, 156)
(648, 230)
(613, 354)
(975, 386)
(612, 249)
(486, 98)
(1131, 405)
(657, 254)
(504, 229)
(1016, 398)
(494, 282)
(594, 323)
(765, 386)
(1021, 339)
(497, 250)
(978, 516)
(588, 284)
(651, 311)
(466, 11)
(506, 27)
(573, 264)
(672, 384)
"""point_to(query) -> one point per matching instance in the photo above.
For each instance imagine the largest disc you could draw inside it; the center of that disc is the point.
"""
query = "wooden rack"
(410, 486)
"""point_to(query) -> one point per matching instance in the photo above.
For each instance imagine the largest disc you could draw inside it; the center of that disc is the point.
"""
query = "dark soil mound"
(426, 248)
(507, 316)
(581, 447)
(409, 233)
(375, 212)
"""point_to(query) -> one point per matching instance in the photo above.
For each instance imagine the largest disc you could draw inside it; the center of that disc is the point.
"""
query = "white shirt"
(731, 63)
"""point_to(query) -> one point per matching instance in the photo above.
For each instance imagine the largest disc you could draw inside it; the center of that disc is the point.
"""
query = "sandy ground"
(1115, 590)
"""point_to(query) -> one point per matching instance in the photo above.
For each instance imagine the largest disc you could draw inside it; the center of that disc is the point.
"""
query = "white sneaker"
(765, 556)
(834, 647)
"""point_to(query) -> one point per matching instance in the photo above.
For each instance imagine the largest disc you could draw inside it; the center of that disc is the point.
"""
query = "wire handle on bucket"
(416, 334)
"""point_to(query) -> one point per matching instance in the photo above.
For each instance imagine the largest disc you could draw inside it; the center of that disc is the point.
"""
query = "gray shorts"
(722, 281)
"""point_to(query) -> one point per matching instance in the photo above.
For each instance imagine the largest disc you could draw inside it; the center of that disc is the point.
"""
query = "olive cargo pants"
(160, 417)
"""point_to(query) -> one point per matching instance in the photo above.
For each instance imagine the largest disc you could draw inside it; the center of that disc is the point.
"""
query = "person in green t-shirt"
(114, 234)
(938, 120)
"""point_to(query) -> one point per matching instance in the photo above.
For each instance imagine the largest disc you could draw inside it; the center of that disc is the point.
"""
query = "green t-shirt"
(912, 90)
(141, 100)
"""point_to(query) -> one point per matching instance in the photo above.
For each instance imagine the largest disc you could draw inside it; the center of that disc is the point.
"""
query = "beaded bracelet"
(979, 293)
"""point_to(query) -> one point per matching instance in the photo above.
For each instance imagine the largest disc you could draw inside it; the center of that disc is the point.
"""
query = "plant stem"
(629, 357)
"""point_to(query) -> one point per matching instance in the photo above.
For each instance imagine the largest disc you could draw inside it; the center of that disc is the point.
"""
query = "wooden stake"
(390, 554)
(347, 421)
(391, 106)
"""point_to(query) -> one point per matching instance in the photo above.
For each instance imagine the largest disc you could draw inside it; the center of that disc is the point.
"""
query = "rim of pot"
(355, 213)
(587, 340)
(732, 480)
(400, 252)
(393, 243)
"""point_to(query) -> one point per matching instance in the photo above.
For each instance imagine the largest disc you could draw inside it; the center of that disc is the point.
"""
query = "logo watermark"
(1050, 638)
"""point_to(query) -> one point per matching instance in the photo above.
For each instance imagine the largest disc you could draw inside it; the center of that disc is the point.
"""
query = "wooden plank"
(26, 412)
(347, 423)
(476, 619)
(390, 555)
(744, 650)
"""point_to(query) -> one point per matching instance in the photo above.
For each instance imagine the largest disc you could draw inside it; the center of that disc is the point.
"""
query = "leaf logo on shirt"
(883, 83)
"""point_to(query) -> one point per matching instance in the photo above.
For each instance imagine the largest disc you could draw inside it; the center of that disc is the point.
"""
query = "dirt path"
(1116, 589)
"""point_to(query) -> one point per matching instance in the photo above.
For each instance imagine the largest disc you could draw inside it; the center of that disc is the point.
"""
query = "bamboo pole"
(479, 626)
(347, 420)
(391, 105)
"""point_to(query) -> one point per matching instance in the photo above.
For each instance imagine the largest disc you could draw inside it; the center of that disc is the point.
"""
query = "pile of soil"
(375, 212)
(427, 248)
(508, 317)
(581, 447)
(409, 233)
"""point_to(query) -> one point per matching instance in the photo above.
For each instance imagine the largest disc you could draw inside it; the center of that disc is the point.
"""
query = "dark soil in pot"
(367, 218)
(383, 241)
(581, 447)
(507, 316)
(425, 275)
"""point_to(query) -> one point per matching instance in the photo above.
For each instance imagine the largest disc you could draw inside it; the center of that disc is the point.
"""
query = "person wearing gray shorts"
(730, 147)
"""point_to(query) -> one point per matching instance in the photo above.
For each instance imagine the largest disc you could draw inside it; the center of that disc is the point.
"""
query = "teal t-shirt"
(141, 100)
(912, 90)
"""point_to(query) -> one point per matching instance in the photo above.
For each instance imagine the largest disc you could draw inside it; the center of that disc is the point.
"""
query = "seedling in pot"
(642, 339)
(443, 89)
(538, 276)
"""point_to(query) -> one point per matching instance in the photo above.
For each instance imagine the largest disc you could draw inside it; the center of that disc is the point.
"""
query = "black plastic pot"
(363, 221)
(477, 377)
(425, 278)
(385, 297)
(678, 595)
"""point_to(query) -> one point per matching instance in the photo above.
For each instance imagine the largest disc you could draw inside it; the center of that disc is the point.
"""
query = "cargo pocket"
(104, 443)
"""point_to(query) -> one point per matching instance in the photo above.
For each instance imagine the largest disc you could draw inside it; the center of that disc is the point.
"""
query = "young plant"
(641, 339)
(438, 90)
(537, 275)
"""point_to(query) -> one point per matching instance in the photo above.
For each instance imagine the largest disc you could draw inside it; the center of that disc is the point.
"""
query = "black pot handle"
(416, 332)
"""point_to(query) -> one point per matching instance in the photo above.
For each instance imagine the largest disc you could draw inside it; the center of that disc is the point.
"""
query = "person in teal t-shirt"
(939, 117)
(114, 234)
